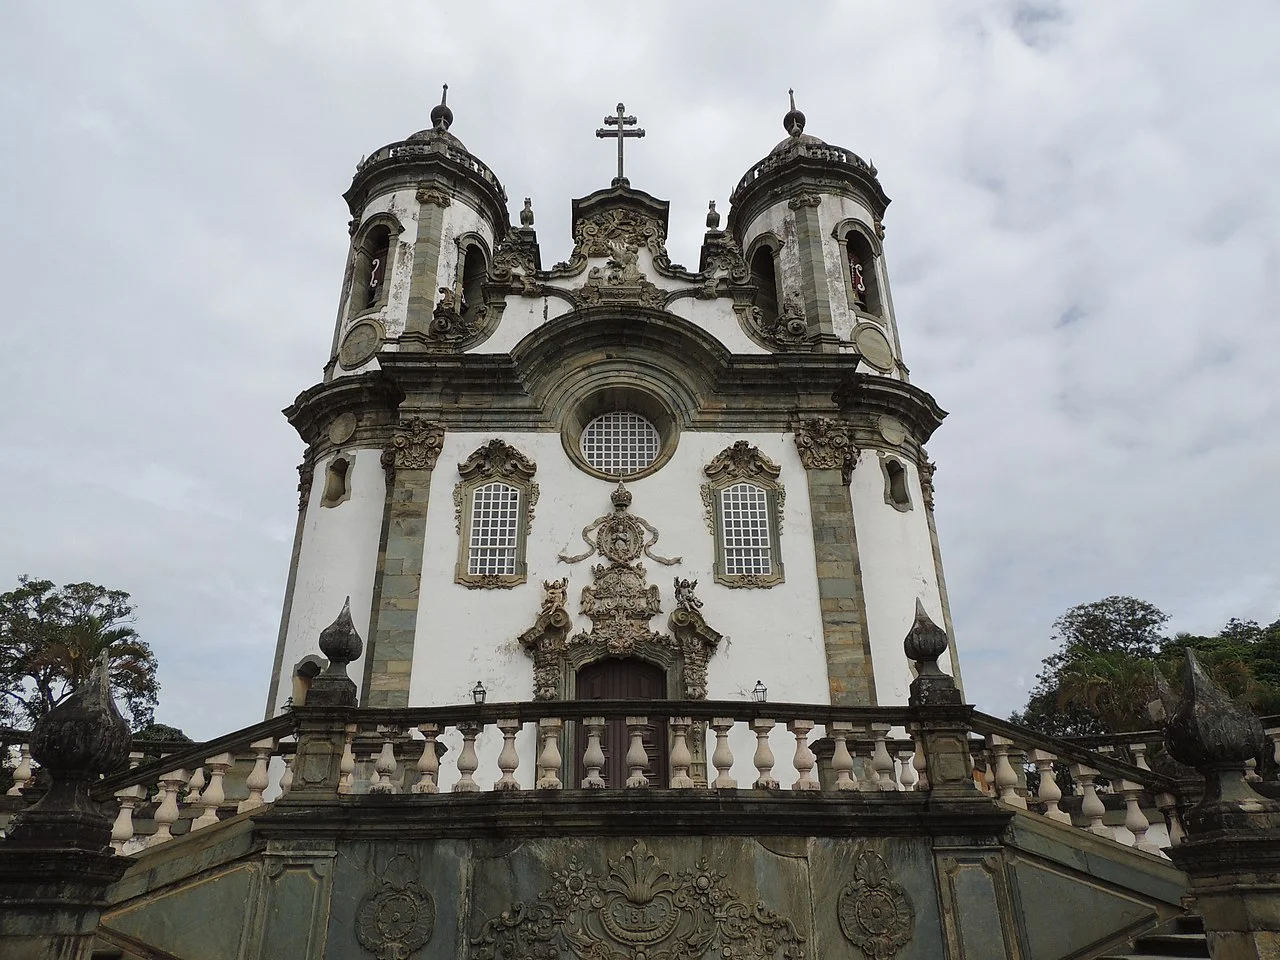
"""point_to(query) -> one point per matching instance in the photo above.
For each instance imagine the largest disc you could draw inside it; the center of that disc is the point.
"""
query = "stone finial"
(793, 122)
(713, 216)
(526, 215)
(341, 644)
(441, 115)
(1205, 729)
(924, 643)
(77, 741)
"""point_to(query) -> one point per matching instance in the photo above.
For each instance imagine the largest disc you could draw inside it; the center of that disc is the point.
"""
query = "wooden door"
(624, 679)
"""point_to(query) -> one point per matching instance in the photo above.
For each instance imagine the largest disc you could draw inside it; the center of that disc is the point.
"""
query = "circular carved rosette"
(399, 918)
(875, 912)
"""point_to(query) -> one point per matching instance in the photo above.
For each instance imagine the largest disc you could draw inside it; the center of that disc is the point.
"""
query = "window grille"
(620, 443)
(495, 523)
(744, 518)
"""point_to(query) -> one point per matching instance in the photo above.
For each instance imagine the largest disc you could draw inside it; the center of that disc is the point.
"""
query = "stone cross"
(621, 121)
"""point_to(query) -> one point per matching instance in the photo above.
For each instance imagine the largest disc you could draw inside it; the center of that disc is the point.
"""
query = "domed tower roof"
(800, 158)
(441, 121)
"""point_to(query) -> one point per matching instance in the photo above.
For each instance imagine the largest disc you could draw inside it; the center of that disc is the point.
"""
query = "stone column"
(432, 201)
(1232, 850)
(57, 861)
(408, 460)
(828, 455)
(813, 267)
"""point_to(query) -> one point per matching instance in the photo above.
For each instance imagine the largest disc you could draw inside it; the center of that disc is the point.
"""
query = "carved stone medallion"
(875, 912)
(874, 347)
(619, 536)
(637, 909)
(342, 428)
(398, 917)
(360, 345)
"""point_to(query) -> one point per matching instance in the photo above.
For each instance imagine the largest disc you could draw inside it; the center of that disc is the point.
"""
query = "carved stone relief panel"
(875, 913)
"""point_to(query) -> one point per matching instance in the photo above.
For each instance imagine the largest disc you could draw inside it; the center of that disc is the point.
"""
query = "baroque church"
(616, 629)
(518, 473)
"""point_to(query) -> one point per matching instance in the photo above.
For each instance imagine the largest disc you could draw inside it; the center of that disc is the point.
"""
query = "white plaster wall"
(403, 205)
(774, 635)
(520, 317)
(718, 319)
(459, 218)
(896, 557)
(339, 558)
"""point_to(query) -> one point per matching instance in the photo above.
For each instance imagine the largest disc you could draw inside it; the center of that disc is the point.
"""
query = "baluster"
(384, 765)
(429, 762)
(881, 761)
(348, 763)
(508, 759)
(1167, 804)
(1135, 820)
(681, 758)
(468, 762)
(21, 773)
(1251, 770)
(593, 758)
(637, 756)
(918, 761)
(286, 779)
(214, 794)
(1273, 734)
(549, 758)
(257, 780)
(166, 814)
(1049, 793)
(195, 787)
(804, 760)
(129, 798)
(1006, 780)
(722, 756)
(906, 772)
(1091, 806)
(763, 758)
(841, 760)
(1139, 753)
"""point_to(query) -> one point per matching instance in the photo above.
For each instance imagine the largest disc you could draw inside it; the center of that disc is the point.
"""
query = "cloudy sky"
(1084, 248)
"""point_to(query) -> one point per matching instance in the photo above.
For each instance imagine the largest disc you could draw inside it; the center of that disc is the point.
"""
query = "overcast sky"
(1084, 248)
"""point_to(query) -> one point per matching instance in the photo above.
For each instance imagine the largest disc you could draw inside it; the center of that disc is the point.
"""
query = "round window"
(620, 443)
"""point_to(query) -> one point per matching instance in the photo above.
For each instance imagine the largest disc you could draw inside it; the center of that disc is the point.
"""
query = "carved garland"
(636, 908)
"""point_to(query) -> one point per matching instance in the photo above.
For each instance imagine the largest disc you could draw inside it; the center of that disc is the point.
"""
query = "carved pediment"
(497, 459)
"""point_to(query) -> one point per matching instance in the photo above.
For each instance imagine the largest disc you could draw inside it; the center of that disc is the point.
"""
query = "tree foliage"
(50, 638)
(1100, 680)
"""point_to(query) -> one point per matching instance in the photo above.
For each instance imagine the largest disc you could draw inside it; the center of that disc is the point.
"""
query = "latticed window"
(495, 528)
(620, 443)
(744, 519)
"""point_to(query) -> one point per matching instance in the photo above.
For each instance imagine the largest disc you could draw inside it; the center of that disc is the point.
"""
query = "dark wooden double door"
(624, 679)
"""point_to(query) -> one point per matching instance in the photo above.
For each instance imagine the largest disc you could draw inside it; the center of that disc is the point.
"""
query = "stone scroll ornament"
(415, 445)
(546, 640)
(825, 444)
(398, 916)
(639, 909)
(875, 912)
(619, 536)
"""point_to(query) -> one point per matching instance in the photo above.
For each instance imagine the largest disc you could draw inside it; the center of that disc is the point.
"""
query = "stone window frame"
(494, 461)
(841, 235)
(887, 462)
(332, 495)
(466, 242)
(773, 243)
(744, 463)
(613, 398)
(359, 241)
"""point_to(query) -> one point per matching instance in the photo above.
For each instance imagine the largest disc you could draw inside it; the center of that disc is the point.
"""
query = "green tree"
(50, 638)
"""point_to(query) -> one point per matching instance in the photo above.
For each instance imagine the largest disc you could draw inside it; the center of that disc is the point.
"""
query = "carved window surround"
(361, 252)
(896, 492)
(494, 462)
(744, 463)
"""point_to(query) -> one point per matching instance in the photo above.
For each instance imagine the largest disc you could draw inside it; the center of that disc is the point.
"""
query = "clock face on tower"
(361, 344)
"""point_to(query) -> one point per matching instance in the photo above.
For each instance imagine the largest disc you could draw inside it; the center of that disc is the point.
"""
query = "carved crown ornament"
(825, 444)
(415, 445)
(636, 909)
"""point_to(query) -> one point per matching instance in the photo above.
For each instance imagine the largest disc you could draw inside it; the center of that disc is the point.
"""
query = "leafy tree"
(50, 639)
(161, 733)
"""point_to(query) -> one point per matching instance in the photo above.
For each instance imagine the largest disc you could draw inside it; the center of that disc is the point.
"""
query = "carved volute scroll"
(825, 444)
(697, 640)
(415, 445)
(636, 907)
(926, 468)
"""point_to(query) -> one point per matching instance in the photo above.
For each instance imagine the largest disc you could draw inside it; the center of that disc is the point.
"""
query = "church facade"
(525, 477)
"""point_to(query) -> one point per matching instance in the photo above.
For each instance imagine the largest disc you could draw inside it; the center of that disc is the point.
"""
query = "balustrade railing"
(628, 745)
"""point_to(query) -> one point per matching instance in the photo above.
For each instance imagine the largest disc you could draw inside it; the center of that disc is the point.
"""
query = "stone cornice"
(316, 406)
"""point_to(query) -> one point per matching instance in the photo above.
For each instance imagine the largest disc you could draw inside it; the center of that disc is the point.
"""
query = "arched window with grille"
(744, 512)
(494, 504)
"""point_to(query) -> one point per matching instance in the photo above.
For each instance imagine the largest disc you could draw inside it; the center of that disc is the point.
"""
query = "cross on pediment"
(620, 122)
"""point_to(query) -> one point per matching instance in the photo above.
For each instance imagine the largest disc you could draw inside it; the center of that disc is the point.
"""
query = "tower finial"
(790, 93)
(441, 115)
(793, 122)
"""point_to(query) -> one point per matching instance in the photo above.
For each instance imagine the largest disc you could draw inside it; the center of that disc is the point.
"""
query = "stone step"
(1185, 939)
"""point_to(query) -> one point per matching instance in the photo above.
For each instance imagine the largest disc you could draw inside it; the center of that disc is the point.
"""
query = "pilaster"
(409, 460)
(426, 259)
(306, 475)
(926, 469)
(828, 456)
(813, 268)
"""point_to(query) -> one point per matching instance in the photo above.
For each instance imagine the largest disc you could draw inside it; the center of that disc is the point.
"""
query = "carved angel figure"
(685, 599)
(557, 594)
